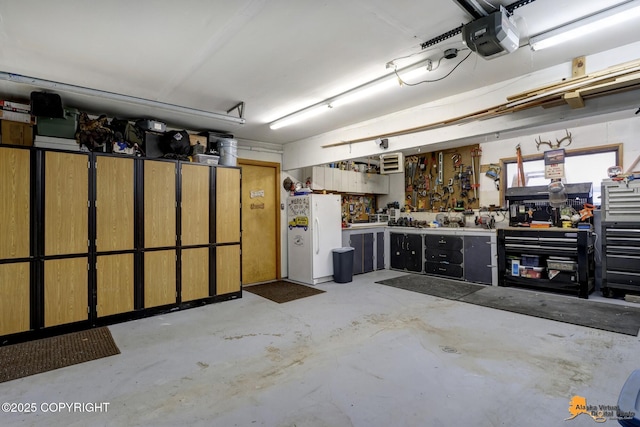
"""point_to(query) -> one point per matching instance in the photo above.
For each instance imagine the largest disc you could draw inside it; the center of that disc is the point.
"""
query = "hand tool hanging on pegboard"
(475, 154)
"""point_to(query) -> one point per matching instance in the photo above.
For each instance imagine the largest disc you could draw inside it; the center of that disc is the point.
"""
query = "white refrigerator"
(314, 224)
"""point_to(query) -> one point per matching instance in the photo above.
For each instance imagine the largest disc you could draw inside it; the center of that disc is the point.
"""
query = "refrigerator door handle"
(317, 231)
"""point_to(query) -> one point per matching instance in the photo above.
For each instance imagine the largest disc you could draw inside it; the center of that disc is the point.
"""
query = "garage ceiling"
(276, 56)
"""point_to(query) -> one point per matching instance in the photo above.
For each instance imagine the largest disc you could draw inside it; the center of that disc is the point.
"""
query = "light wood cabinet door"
(15, 208)
(227, 269)
(195, 204)
(227, 205)
(14, 298)
(66, 198)
(159, 278)
(114, 284)
(66, 291)
(195, 274)
(114, 204)
(159, 204)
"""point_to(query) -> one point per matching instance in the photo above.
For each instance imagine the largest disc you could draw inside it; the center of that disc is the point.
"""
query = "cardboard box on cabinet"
(16, 133)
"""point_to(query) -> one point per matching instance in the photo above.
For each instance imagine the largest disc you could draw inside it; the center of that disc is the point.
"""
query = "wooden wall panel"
(195, 274)
(65, 291)
(227, 269)
(66, 194)
(114, 204)
(14, 298)
(195, 204)
(159, 278)
(115, 282)
(159, 204)
(227, 205)
(15, 214)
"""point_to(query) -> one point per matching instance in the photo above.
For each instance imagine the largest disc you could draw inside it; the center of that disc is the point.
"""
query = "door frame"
(276, 166)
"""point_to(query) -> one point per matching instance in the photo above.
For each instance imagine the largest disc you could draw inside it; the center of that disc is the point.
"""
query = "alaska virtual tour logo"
(599, 413)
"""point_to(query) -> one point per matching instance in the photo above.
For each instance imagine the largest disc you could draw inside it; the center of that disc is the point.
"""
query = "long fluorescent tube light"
(590, 24)
(48, 84)
(352, 95)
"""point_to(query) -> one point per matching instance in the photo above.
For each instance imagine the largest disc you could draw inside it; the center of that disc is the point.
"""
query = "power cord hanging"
(435, 80)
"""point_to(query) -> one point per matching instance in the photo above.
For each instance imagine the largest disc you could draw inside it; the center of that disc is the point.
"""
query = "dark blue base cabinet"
(462, 254)
(406, 252)
(368, 245)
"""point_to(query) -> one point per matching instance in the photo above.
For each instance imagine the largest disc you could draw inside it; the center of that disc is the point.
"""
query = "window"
(580, 166)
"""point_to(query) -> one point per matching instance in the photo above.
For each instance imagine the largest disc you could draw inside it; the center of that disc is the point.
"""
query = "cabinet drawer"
(439, 255)
(623, 278)
(451, 243)
(443, 268)
(623, 263)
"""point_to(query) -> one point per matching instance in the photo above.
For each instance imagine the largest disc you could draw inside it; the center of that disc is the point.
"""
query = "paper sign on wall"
(554, 164)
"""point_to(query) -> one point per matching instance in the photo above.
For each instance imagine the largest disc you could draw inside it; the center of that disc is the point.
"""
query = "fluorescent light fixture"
(64, 87)
(300, 116)
(587, 25)
(352, 95)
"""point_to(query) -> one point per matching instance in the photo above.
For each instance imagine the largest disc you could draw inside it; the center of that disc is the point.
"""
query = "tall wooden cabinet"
(15, 244)
(114, 235)
(66, 234)
(92, 238)
(196, 253)
(228, 199)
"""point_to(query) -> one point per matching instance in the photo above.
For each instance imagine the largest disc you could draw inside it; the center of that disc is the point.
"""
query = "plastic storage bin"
(343, 264)
(59, 128)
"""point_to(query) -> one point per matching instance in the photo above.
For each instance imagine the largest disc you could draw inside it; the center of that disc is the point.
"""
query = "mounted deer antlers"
(558, 143)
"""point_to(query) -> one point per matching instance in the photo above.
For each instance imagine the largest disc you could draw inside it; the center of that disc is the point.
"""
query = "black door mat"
(434, 286)
(282, 291)
(592, 314)
(34, 357)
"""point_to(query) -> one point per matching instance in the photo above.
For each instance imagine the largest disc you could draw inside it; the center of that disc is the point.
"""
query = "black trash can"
(343, 264)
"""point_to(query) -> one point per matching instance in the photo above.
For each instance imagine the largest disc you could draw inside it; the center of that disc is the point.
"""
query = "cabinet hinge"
(88, 242)
(89, 204)
(88, 310)
(89, 164)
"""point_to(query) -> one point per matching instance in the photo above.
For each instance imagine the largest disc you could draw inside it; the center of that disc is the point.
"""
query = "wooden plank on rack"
(574, 99)
(630, 66)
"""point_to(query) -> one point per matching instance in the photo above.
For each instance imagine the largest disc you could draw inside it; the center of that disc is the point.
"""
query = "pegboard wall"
(443, 181)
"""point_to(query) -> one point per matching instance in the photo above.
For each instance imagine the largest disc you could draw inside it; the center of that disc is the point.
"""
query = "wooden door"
(159, 204)
(195, 274)
(114, 284)
(114, 204)
(195, 204)
(260, 221)
(159, 278)
(66, 195)
(227, 205)
(14, 298)
(227, 269)
(15, 212)
(66, 291)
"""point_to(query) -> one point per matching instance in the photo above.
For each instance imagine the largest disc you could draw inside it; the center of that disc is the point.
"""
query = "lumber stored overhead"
(573, 92)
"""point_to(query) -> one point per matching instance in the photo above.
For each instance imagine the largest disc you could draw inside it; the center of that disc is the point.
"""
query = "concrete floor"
(361, 354)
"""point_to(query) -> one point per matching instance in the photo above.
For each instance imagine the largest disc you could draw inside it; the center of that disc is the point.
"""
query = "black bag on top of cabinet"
(45, 104)
(176, 142)
(128, 131)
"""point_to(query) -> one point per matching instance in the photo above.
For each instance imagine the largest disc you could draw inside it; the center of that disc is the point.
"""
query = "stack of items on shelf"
(44, 122)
